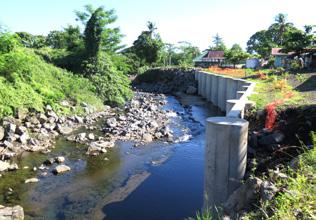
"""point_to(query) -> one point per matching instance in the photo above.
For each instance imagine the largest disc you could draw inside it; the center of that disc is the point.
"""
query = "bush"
(27, 81)
(111, 84)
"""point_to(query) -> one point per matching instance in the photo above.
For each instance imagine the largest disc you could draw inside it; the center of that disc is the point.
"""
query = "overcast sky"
(195, 21)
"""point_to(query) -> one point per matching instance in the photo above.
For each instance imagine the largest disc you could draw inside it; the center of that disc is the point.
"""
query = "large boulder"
(243, 196)
(61, 169)
(11, 213)
(64, 129)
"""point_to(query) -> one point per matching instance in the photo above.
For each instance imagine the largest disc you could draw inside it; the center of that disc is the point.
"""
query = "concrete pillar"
(204, 84)
(225, 158)
(199, 83)
(208, 87)
(229, 104)
(196, 75)
(242, 83)
(232, 87)
(240, 94)
(214, 91)
(221, 95)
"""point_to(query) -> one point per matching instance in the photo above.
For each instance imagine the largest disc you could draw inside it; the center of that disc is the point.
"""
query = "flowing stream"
(157, 181)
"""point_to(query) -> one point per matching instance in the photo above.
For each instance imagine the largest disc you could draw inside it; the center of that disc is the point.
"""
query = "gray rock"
(111, 122)
(11, 213)
(147, 138)
(7, 144)
(48, 108)
(243, 196)
(42, 118)
(267, 190)
(1, 133)
(13, 167)
(64, 129)
(20, 130)
(99, 147)
(52, 114)
(34, 120)
(4, 166)
(49, 161)
(23, 138)
(11, 128)
(60, 159)
(103, 144)
(78, 119)
(91, 136)
(81, 137)
(191, 90)
(21, 113)
(270, 139)
(61, 169)
(28, 124)
(31, 180)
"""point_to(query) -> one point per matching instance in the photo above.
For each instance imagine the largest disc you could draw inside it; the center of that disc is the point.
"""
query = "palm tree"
(280, 27)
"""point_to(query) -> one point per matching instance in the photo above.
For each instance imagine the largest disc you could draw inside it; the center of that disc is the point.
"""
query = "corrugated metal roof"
(277, 52)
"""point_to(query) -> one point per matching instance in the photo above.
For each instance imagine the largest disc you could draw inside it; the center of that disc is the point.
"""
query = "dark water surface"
(156, 181)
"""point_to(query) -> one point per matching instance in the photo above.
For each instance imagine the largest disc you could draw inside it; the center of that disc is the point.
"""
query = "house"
(281, 59)
(284, 59)
(309, 56)
(209, 58)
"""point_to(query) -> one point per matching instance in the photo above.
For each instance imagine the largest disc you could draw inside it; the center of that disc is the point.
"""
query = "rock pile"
(35, 131)
(167, 81)
(143, 120)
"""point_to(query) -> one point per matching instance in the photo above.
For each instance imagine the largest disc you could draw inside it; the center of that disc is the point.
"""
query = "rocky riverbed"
(142, 120)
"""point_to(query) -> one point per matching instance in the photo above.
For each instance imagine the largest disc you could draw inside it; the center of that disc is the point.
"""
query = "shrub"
(111, 84)
(26, 80)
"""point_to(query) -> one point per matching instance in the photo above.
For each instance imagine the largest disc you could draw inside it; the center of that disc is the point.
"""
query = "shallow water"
(156, 181)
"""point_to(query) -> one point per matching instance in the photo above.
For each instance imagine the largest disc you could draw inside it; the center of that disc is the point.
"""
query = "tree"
(148, 45)
(97, 34)
(31, 41)
(298, 40)
(279, 29)
(56, 39)
(261, 43)
(235, 54)
(218, 42)
(187, 52)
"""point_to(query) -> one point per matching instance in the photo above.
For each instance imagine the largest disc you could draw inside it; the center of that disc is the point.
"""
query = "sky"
(195, 21)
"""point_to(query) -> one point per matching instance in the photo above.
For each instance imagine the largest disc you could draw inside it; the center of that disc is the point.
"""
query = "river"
(157, 181)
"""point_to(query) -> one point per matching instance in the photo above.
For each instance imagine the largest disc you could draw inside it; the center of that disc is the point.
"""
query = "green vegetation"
(298, 197)
(274, 88)
(93, 72)
(281, 34)
(26, 80)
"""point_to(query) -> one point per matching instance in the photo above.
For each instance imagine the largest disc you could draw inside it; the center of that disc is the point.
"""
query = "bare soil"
(305, 83)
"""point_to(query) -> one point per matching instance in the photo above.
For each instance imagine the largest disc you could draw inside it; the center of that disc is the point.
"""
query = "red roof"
(215, 54)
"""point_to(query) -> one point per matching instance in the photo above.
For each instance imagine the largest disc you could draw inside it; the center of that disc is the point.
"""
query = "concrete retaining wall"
(229, 94)
(226, 137)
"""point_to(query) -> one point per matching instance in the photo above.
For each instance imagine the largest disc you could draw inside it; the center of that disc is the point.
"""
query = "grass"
(275, 88)
(27, 81)
(297, 199)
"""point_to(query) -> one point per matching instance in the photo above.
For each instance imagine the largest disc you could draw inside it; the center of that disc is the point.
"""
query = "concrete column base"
(225, 158)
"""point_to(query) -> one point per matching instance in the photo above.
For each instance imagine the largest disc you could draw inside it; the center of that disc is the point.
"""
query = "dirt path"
(305, 83)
